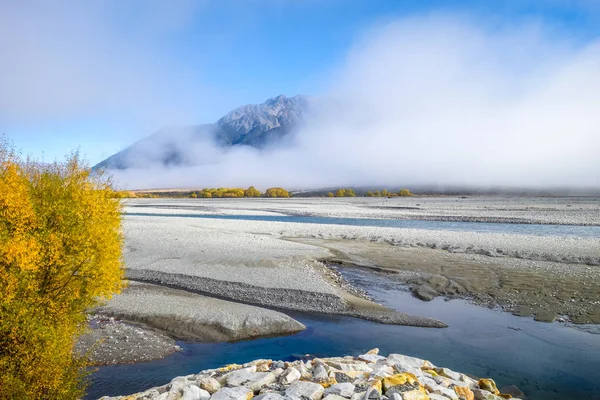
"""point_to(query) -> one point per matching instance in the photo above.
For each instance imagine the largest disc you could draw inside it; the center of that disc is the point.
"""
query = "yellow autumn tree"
(345, 193)
(277, 192)
(252, 192)
(405, 193)
(60, 253)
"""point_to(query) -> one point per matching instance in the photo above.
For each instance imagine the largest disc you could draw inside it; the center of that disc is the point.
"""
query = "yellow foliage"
(277, 192)
(345, 193)
(252, 192)
(60, 253)
(329, 194)
(221, 192)
(405, 193)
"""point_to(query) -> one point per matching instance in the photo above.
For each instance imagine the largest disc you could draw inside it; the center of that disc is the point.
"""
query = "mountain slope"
(256, 125)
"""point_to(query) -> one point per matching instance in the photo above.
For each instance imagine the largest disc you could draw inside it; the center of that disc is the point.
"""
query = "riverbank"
(274, 269)
(368, 376)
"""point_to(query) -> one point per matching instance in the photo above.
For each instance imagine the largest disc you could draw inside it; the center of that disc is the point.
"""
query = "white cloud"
(435, 100)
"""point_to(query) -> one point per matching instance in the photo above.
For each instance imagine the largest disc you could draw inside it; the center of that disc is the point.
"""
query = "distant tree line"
(345, 193)
(377, 193)
(206, 193)
(253, 192)
(386, 193)
(237, 192)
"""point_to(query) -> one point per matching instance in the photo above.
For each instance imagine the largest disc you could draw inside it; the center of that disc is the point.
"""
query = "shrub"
(252, 192)
(329, 194)
(345, 193)
(60, 253)
(277, 192)
(405, 193)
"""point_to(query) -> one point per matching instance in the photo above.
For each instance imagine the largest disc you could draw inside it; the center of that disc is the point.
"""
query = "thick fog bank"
(432, 100)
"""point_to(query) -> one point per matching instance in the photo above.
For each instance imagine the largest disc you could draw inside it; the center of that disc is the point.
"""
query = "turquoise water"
(547, 361)
(483, 227)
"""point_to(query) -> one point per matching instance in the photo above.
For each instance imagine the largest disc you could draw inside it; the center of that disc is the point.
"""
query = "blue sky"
(96, 76)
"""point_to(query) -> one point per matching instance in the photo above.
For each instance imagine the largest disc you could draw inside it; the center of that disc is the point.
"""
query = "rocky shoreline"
(109, 341)
(367, 377)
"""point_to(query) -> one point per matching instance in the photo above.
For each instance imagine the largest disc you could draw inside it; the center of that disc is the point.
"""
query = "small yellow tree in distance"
(277, 192)
(329, 194)
(405, 193)
(60, 253)
(252, 192)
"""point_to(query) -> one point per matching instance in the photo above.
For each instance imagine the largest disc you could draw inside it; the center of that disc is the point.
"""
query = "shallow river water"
(591, 231)
(547, 361)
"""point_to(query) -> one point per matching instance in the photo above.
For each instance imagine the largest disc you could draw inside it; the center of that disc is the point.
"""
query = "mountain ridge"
(255, 125)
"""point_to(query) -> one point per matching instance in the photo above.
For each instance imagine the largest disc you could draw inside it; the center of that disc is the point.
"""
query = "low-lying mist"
(431, 100)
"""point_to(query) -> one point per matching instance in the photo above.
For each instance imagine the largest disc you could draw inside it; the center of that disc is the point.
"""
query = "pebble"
(366, 377)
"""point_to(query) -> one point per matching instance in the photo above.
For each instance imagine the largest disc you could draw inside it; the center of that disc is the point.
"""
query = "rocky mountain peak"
(256, 125)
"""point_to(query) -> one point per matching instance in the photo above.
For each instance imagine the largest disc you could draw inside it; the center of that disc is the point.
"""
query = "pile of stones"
(366, 377)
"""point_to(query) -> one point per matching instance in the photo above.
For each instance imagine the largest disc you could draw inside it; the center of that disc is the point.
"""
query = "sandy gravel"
(110, 341)
(227, 270)
(256, 243)
(191, 316)
(229, 252)
(544, 210)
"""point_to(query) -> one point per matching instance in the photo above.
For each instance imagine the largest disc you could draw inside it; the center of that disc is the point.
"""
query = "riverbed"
(547, 361)
(532, 256)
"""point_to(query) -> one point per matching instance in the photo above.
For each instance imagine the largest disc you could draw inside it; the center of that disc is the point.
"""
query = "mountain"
(256, 125)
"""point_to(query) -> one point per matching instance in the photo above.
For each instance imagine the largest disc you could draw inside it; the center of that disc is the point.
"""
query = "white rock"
(150, 394)
(447, 382)
(396, 396)
(341, 389)
(211, 385)
(304, 373)
(440, 390)
(481, 394)
(333, 397)
(224, 380)
(372, 393)
(405, 361)
(269, 396)
(472, 383)
(371, 358)
(351, 367)
(320, 374)
(448, 373)
(415, 371)
(304, 391)
(236, 393)
(193, 392)
(358, 396)
(290, 375)
(177, 384)
(254, 380)
(264, 379)
(433, 396)
(381, 371)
